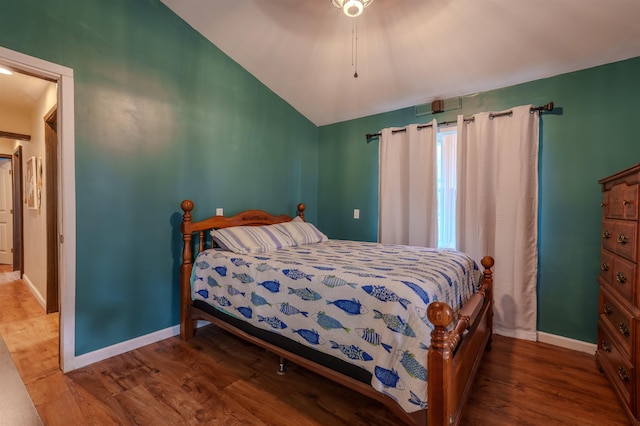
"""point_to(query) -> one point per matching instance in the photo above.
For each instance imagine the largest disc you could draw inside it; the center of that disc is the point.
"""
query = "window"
(446, 170)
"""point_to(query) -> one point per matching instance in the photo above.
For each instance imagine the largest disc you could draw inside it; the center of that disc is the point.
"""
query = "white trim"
(567, 343)
(67, 191)
(129, 345)
(35, 291)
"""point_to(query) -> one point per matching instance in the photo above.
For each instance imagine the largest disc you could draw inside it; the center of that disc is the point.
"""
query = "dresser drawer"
(608, 236)
(606, 266)
(620, 371)
(622, 202)
(625, 237)
(617, 322)
(623, 278)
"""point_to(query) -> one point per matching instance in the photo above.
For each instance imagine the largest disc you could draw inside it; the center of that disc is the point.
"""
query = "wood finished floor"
(217, 379)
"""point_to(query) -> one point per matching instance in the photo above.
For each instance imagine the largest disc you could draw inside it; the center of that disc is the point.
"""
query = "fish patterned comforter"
(364, 303)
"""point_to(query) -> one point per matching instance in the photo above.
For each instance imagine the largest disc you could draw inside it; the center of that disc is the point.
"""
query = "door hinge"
(61, 238)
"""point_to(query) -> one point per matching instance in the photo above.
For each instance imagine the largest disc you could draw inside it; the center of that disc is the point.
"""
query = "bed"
(406, 326)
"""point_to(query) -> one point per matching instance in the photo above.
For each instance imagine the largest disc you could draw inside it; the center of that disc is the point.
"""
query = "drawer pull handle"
(621, 278)
(606, 235)
(603, 204)
(624, 329)
(622, 373)
(606, 309)
(622, 239)
(605, 346)
(626, 202)
(604, 267)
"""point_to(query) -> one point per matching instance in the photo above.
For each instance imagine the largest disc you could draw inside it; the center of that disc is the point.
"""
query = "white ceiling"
(20, 91)
(410, 52)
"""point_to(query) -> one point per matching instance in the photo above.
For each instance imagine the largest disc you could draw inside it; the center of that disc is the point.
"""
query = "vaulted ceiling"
(410, 52)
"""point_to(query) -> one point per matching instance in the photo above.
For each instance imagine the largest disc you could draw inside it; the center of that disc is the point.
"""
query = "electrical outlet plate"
(356, 213)
(219, 211)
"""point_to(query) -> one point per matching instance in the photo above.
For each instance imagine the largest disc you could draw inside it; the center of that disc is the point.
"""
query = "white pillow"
(251, 239)
(301, 232)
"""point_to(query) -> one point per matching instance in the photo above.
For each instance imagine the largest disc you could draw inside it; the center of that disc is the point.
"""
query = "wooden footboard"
(453, 358)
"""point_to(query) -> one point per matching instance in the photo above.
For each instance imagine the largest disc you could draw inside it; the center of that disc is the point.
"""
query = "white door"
(6, 213)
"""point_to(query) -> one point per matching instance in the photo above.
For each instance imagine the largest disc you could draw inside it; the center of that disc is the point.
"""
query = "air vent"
(439, 105)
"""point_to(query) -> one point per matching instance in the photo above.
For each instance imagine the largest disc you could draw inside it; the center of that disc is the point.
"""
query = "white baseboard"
(147, 339)
(35, 291)
(567, 343)
(129, 345)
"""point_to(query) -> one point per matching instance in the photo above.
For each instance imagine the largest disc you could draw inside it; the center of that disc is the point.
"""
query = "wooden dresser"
(618, 353)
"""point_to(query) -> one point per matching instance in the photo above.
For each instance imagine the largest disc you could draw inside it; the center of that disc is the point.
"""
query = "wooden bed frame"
(453, 358)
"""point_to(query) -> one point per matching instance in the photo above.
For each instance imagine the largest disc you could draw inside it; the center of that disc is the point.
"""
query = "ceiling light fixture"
(5, 71)
(351, 8)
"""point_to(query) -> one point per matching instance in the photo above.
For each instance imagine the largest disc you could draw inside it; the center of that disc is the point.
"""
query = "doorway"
(65, 174)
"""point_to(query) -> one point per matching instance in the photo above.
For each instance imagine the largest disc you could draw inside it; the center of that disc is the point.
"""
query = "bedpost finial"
(301, 208)
(187, 205)
(440, 314)
(487, 262)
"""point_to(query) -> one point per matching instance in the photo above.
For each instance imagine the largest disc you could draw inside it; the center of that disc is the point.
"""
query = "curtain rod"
(546, 107)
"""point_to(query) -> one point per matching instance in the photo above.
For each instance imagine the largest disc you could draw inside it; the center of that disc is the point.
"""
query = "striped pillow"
(301, 232)
(251, 239)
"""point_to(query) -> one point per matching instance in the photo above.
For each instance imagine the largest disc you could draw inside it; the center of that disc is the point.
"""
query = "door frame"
(51, 195)
(66, 217)
(16, 191)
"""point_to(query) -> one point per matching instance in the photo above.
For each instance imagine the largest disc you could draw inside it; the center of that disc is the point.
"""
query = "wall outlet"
(356, 213)
(219, 211)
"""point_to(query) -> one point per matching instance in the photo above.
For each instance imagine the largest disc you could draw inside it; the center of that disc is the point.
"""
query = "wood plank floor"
(217, 379)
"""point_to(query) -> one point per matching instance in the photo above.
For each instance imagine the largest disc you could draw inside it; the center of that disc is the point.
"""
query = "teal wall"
(160, 115)
(591, 134)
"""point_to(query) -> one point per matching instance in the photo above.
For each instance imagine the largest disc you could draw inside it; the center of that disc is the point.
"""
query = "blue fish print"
(289, 310)
(351, 307)
(262, 258)
(419, 291)
(310, 336)
(417, 401)
(265, 267)
(325, 268)
(272, 286)
(371, 336)
(244, 278)
(395, 323)
(203, 293)
(202, 264)
(366, 275)
(333, 281)
(389, 378)
(305, 293)
(239, 262)
(274, 322)
(246, 311)
(422, 314)
(258, 300)
(447, 278)
(221, 270)
(413, 367)
(383, 294)
(219, 255)
(222, 301)
(327, 322)
(352, 351)
(296, 274)
(234, 291)
(212, 282)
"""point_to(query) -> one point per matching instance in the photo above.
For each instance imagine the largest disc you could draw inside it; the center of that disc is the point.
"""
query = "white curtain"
(497, 210)
(407, 206)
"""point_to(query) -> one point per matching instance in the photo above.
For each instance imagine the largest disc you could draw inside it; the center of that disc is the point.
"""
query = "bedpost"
(186, 323)
(301, 208)
(487, 284)
(439, 365)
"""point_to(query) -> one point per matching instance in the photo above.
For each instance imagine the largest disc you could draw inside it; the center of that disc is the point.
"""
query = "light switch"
(356, 213)
(219, 212)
